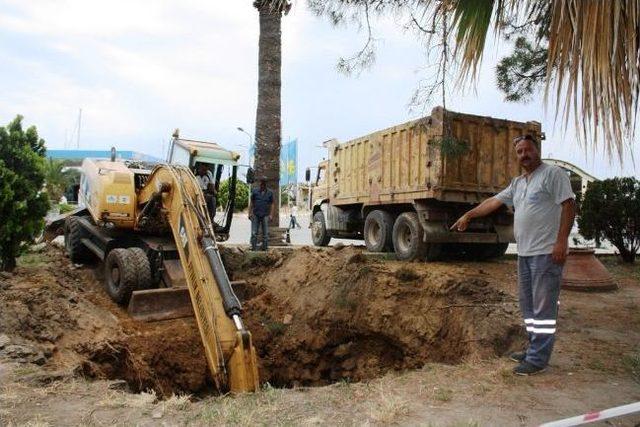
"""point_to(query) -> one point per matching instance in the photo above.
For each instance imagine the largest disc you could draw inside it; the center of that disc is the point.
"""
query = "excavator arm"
(172, 195)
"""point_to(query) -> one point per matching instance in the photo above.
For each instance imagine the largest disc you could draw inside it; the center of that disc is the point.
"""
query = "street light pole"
(251, 142)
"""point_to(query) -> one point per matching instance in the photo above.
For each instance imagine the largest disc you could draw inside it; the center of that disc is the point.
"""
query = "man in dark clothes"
(260, 212)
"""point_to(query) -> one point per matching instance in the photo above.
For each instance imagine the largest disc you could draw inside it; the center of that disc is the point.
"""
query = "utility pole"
(79, 126)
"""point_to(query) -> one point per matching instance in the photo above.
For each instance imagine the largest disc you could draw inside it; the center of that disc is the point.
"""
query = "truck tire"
(73, 235)
(407, 237)
(408, 240)
(143, 268)
(378, 231)
(319, 233)
(120, 275)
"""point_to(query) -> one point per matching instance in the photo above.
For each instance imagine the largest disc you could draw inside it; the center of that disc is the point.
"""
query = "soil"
(321, 316)
(316, 317)
(387, 333)
(61, 312)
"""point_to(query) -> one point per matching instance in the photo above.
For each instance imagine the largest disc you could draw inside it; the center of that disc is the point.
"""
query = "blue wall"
(99, 154)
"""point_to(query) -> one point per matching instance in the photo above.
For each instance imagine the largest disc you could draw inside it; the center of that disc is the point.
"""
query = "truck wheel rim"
(115, 277)
(373, 236)
(316, 229)
(404, 239)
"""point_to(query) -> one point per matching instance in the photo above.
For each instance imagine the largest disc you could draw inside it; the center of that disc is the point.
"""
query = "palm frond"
(593, 62)
(594, 66)
(472, 20)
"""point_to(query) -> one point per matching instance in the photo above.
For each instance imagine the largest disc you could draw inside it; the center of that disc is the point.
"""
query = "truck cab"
(320, 185)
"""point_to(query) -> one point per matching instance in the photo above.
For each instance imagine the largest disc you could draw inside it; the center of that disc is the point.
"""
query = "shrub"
(610, 209)
(242, 195)
(22, 203)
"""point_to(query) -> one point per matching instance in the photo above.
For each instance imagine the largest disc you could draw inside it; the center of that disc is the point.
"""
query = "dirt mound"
(328, 315)
(317, 316)
(31, 307)
(55, 314)
(167, 358)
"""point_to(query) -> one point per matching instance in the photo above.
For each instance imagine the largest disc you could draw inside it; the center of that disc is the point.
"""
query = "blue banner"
(289, 163)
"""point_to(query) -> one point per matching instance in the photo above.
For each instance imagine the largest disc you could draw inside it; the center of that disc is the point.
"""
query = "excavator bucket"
(151, 305)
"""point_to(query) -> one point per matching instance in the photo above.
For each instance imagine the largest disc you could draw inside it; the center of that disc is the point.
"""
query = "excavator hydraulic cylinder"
(230, 301)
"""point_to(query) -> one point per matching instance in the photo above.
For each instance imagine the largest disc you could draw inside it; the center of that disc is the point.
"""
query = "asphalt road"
(241, 232)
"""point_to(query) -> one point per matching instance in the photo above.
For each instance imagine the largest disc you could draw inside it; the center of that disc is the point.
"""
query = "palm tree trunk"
(268, 126)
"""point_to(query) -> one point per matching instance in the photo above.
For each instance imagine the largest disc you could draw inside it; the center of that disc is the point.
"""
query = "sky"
(138, 69)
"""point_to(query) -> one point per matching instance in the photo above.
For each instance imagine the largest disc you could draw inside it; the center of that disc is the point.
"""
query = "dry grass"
(506, 376)
(387, 407)
(632, 363)
(38, 421)
(442, 394)
(121, 399)
(262, 408)
(178, 402)
(32, 259)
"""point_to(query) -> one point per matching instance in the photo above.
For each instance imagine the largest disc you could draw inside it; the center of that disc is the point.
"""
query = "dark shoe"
(526, 368)
(518, 356)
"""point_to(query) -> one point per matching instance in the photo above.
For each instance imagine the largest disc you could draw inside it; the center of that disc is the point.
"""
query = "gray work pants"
(256, 223)
(539, 288)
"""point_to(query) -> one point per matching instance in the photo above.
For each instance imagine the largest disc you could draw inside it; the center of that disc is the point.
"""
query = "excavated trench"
(319, 317)
(316, 316)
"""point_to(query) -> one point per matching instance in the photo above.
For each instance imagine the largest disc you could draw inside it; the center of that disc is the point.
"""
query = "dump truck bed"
(418, 160)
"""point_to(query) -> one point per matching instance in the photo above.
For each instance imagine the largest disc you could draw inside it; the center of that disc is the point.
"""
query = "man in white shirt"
(544, 210)
(293, 217)
(207, 185)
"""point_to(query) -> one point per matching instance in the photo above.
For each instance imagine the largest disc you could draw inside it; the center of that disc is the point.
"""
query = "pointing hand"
(461, 224)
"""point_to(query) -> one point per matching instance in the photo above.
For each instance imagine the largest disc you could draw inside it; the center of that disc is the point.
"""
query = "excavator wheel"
(120, 275)
(73, 234)
(142, 267)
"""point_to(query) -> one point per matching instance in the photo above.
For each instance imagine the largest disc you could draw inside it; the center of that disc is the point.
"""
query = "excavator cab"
(223, 165)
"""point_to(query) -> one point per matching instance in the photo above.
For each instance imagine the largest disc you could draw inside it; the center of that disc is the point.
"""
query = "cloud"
(138, 69)
(130, 65)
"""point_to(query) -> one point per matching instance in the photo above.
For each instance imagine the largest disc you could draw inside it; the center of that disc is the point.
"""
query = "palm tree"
(56, 179)
(268, 114)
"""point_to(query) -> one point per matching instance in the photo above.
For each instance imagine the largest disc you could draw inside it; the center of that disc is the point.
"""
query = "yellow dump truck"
(401, 188)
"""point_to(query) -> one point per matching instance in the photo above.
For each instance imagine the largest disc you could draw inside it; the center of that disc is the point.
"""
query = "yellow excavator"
(157, 241)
